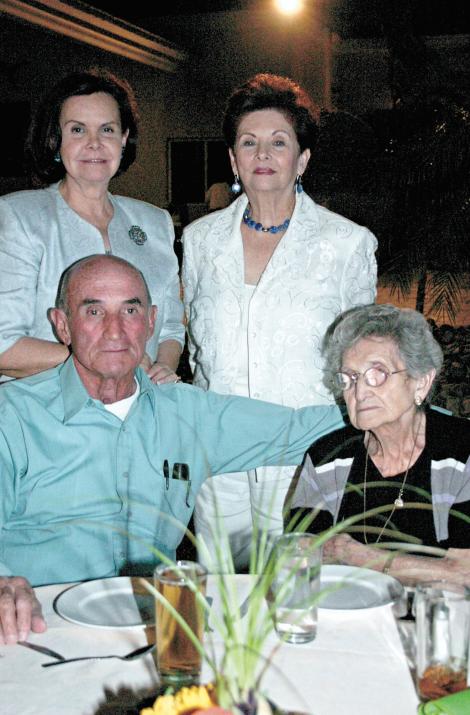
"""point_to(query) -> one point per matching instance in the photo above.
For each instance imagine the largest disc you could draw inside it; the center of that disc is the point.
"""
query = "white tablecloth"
(355, 666)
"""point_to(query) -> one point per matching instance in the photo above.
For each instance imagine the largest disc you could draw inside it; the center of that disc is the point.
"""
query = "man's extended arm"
(238, 433)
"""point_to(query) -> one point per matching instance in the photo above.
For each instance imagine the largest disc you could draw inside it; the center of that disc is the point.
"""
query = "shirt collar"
(76, 397)
(146, 386)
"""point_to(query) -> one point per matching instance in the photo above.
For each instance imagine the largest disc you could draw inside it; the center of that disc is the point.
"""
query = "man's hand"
(20, 611)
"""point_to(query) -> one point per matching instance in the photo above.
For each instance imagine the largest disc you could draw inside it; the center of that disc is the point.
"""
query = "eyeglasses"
(373, 377)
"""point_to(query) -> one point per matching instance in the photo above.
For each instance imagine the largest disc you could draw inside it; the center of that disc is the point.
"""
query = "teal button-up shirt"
(83, 494)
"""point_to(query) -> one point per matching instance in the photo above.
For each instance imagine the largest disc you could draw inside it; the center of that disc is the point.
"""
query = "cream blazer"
(323, 265)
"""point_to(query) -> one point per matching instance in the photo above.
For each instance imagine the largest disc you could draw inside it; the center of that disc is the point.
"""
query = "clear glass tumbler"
(295, 586)
(442, 638)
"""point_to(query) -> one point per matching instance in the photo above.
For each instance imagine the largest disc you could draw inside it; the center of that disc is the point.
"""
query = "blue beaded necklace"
(259, 226)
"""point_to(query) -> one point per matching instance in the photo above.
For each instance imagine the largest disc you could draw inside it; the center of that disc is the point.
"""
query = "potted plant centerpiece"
(239, 649)
(236, 649)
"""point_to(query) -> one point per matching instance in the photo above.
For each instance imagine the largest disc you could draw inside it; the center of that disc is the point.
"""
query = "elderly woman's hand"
(336, 550)
(344, 549)
(455, 566)
(410, 569)
(20, 611)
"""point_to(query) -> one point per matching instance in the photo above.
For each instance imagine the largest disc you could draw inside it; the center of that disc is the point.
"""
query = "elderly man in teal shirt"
(99, 466)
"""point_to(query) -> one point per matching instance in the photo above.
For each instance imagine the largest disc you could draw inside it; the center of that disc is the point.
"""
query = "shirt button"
(256, 394)
(125, 475)
(255, 364)
(123, 428)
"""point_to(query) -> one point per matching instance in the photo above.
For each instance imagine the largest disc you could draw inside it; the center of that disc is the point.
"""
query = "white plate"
(106, 603)
(353, 588)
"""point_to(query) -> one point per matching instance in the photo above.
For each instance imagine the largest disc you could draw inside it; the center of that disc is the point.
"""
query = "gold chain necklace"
(398, 503)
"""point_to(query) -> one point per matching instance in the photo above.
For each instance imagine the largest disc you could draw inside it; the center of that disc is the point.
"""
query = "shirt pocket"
(177, 507)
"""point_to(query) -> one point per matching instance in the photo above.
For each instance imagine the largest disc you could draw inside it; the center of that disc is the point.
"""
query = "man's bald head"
(89, 264)
(104, 314)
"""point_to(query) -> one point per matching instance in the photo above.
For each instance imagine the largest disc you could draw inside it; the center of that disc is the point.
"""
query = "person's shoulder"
(28, 199)
(339, 444)
(343, 226)
(448, 434)
(137, 206)
(183, 399)
(206, 225)
(35, 387)
(175, 391)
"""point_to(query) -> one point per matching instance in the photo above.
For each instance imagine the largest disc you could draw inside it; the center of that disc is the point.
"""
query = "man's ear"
(153, 312)
(59, 320)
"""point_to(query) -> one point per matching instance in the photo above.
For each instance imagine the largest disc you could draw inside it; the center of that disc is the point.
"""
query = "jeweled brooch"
(137, 235)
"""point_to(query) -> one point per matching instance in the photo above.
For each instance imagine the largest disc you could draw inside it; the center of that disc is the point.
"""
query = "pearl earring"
(236, 186)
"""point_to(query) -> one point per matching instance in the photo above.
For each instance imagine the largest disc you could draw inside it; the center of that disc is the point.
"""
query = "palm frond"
(445, 292)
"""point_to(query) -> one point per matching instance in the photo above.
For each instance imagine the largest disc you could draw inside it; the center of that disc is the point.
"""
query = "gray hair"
(62, 300)
(408, 329)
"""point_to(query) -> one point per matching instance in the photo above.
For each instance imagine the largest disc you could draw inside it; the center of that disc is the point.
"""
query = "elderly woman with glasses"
(400, 472)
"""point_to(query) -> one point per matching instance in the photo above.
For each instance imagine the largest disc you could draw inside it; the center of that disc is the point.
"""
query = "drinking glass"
(295, 586)
(178, 659)
(442, 638)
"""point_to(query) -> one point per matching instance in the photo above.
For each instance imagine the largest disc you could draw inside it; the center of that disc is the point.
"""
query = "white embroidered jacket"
(323, 265)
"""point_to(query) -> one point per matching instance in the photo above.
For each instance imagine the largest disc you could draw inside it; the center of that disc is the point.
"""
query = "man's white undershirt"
(122, 407)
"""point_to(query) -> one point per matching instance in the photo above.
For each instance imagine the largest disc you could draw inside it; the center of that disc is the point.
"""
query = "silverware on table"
(42, 649)
(133, 655)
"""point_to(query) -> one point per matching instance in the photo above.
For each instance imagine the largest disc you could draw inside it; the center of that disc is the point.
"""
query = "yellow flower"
(186, 700)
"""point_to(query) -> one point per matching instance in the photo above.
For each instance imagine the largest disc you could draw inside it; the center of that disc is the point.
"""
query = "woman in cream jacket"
(258, 301)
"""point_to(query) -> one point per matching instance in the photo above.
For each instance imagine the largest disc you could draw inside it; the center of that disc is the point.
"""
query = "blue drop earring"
(298, 184)
(57, 158)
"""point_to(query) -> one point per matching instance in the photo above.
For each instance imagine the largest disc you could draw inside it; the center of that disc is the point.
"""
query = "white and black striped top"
(436, 496)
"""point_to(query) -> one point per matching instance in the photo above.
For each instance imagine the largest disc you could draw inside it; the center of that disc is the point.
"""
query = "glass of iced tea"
(178, 659)
(442, 638)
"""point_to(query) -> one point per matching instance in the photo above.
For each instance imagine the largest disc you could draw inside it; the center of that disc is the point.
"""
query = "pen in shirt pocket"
(166, 473)
(181, 471)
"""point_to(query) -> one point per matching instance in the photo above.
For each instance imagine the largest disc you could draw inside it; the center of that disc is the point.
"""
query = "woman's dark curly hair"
(45, 136)
(269, 91)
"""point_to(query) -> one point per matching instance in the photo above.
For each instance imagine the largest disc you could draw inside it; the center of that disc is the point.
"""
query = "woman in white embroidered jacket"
(84, 133)
(263, 279)
(399, 474)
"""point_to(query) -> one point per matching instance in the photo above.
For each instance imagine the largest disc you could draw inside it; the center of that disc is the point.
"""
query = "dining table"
(355, 665)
